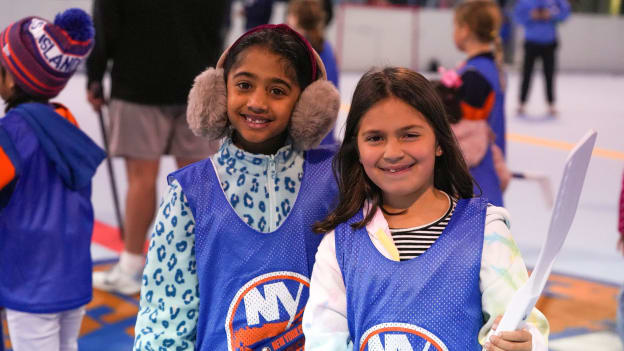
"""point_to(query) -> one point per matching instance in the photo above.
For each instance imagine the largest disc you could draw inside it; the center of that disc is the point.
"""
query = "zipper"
(271, 175)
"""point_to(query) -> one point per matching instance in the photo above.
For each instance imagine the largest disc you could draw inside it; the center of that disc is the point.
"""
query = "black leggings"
(546, 52)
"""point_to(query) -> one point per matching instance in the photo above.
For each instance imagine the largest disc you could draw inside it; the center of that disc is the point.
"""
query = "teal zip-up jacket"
(269, 182)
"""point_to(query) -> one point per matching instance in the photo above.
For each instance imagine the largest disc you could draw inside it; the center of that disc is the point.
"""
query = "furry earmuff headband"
(313, 116)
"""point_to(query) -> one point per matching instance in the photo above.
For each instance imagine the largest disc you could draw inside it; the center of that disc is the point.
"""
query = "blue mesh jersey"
(487, 68)
(487, 182)
(485, 173)
(429, 302)
(46, 221)
(253, 286)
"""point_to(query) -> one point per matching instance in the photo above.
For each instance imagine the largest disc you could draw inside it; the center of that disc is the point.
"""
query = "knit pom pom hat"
(41, 55)
(313, 116)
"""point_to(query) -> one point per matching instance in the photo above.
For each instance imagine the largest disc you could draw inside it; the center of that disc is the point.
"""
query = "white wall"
(383, 40)
(592, 43)
(367, 36)
(364, 36)
(435, 38)
(11, 10)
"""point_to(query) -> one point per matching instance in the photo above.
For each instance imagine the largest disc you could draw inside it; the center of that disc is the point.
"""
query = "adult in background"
(540, 19)
(308, 18)
(157, 48)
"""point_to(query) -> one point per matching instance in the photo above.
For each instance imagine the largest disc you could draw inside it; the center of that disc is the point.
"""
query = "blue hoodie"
(46, 216)
(541, 31)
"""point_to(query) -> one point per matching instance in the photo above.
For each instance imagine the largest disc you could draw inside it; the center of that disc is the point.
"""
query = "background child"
(308, 18)
(540, 19)
(477, 25)
(236, 230)
(46, 166)
(406, 195)
(474, 137)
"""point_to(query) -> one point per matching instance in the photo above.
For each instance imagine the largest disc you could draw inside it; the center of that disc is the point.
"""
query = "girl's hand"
(510, 340)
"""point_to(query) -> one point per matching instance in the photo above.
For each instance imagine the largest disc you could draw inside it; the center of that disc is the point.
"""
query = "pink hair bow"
(449, 78)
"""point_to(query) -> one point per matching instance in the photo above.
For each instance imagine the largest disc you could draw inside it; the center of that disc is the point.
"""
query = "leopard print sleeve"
(169, 304)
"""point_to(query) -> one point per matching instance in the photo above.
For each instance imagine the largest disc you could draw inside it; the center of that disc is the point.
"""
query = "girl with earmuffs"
(232, 249)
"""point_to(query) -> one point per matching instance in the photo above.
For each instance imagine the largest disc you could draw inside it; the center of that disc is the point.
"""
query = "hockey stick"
(111, 174)
(542, 180)
(523, 301)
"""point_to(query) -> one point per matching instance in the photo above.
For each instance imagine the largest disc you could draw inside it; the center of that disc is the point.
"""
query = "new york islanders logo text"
(400, 337)
(266, 313)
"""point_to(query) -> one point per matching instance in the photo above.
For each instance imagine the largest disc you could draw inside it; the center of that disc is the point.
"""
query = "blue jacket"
(541, 31)
(329, 61)
(46, 216)
(484, 173)
(331, 67)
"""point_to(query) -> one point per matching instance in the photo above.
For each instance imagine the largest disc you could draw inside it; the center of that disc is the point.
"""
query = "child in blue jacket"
(308, 18)
(46, 166)
(482, 94)
(540, 19)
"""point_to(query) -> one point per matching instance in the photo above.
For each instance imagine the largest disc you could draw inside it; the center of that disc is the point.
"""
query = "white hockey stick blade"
(566, 204)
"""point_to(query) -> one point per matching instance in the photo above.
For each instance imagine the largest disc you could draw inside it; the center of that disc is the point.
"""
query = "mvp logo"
(400, 337)
(266, 313)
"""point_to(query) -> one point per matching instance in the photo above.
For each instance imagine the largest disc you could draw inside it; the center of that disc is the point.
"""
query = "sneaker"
(521, 111)
(116, 280)
(552, 111)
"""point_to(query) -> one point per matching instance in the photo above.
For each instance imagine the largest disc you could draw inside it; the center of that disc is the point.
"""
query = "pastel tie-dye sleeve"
(325, 322)
(502, 272)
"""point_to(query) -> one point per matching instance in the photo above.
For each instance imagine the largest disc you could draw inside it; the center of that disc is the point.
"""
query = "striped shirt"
(412, 242)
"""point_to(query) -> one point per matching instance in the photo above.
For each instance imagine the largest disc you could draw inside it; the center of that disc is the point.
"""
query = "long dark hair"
(281, 42)
(18, 95)
(450, 171)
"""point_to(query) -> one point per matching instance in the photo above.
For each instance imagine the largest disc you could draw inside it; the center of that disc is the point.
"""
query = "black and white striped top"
(412, 242)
